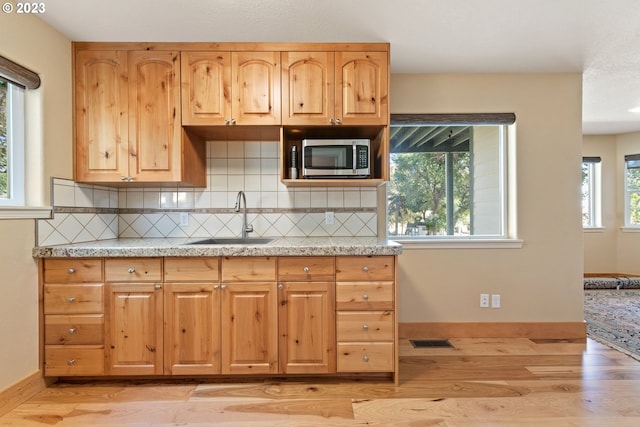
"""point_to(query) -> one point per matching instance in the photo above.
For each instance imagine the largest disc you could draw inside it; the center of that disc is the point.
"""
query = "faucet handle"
(249, 228)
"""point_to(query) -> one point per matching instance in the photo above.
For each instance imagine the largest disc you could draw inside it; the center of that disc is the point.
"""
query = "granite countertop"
(283, 246)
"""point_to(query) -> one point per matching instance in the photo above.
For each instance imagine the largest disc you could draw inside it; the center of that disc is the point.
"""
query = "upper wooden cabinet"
(231, 88)
(127, 116)
(335, 88)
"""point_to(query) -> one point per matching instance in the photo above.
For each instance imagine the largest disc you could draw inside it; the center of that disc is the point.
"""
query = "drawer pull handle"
(306, 269)
(365, 269)
(365, 358)
(365, 297)
(72, 330)
(71, 270)
(365, 327)
(71, 362)
(71, 299)
(131, 270)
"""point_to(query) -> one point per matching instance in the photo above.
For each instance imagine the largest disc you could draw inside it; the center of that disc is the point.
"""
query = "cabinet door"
(308, 89)
(307, 328)
(255, 88)
(154, 128)
(249, 328)
(134, 329)
(362, 88)
(192, 331)
(206, 88)
(101, 116)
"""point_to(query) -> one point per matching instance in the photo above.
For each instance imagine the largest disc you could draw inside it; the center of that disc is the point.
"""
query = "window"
(11, 144)
(448, 180)
(591, 192)
(632, 190)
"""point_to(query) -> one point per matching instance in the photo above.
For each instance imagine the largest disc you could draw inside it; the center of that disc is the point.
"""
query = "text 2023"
(30, 8)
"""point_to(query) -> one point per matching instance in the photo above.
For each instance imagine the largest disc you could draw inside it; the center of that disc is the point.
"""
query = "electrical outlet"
(328, 218)
(484, 300)
(184, 219)
(495, 301)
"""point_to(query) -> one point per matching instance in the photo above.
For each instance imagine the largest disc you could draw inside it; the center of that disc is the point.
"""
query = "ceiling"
(599, 38)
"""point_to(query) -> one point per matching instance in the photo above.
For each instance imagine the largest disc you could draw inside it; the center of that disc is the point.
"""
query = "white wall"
(542, 281)
(26, 40)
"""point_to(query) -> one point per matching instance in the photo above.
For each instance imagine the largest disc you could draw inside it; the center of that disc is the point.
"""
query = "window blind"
(18, 75)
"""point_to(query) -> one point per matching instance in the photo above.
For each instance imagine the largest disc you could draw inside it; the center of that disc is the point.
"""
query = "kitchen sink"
(232, 241)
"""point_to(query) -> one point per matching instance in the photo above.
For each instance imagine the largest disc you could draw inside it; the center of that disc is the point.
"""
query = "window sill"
(593, 229)
(460, 243)
(630, 229)
(25, 212)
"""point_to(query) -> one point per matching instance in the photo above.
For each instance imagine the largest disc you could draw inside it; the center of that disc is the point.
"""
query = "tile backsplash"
(93, 212)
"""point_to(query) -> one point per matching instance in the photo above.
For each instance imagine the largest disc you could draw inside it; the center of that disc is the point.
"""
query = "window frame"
(594, 204)
(15, 146)
(627, 193)
(507, 237)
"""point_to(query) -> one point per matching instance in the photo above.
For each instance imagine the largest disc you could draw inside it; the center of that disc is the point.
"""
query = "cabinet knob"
(71, 299)
(365, 297)
(365, 358)
(332, 121)
(338, 121)
(223, 286)
(123, 178)
(72, 330)
(71, 270)
(306, 269)
(280, 286)
(233, 122)
(131, 270)
(157, 287)
(365, 327)
(71, 362)
(216, 287)
(365, 269)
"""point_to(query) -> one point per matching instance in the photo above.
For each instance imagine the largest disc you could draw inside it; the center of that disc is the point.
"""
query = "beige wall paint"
(541, 282)
(600, 246)
(28, 41)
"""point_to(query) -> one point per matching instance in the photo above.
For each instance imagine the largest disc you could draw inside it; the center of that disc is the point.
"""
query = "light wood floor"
(479, 383)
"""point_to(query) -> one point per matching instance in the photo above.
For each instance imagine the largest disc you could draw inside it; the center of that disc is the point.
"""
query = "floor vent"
(430, 344)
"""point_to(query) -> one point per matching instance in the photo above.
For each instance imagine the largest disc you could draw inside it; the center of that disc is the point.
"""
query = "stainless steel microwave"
(336, 158)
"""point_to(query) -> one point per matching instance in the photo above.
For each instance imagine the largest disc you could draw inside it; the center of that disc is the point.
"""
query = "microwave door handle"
(354, 158)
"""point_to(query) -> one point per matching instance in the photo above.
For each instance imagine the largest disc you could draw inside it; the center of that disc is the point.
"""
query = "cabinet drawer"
(73, 360)
(76, 270)
(365, 357)
(364, 296)
(73, 299)
(248, 269)
(74, 329)
(364, 325)
(133, 270)
(365, 268)
(202, 269)
(304, 269)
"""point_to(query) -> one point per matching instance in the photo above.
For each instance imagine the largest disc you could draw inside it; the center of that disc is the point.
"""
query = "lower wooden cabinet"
(220, 316)
(249, 328)
(134, 339)
(192, 328)
(306, 319)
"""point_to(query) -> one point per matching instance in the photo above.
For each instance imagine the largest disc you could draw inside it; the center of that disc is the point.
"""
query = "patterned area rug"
(613, 318)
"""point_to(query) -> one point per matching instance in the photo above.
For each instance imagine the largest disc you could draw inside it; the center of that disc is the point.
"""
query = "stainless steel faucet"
(246, 228)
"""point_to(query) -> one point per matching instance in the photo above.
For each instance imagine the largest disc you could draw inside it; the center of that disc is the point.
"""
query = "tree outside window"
(632, 190)
(446, 181)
